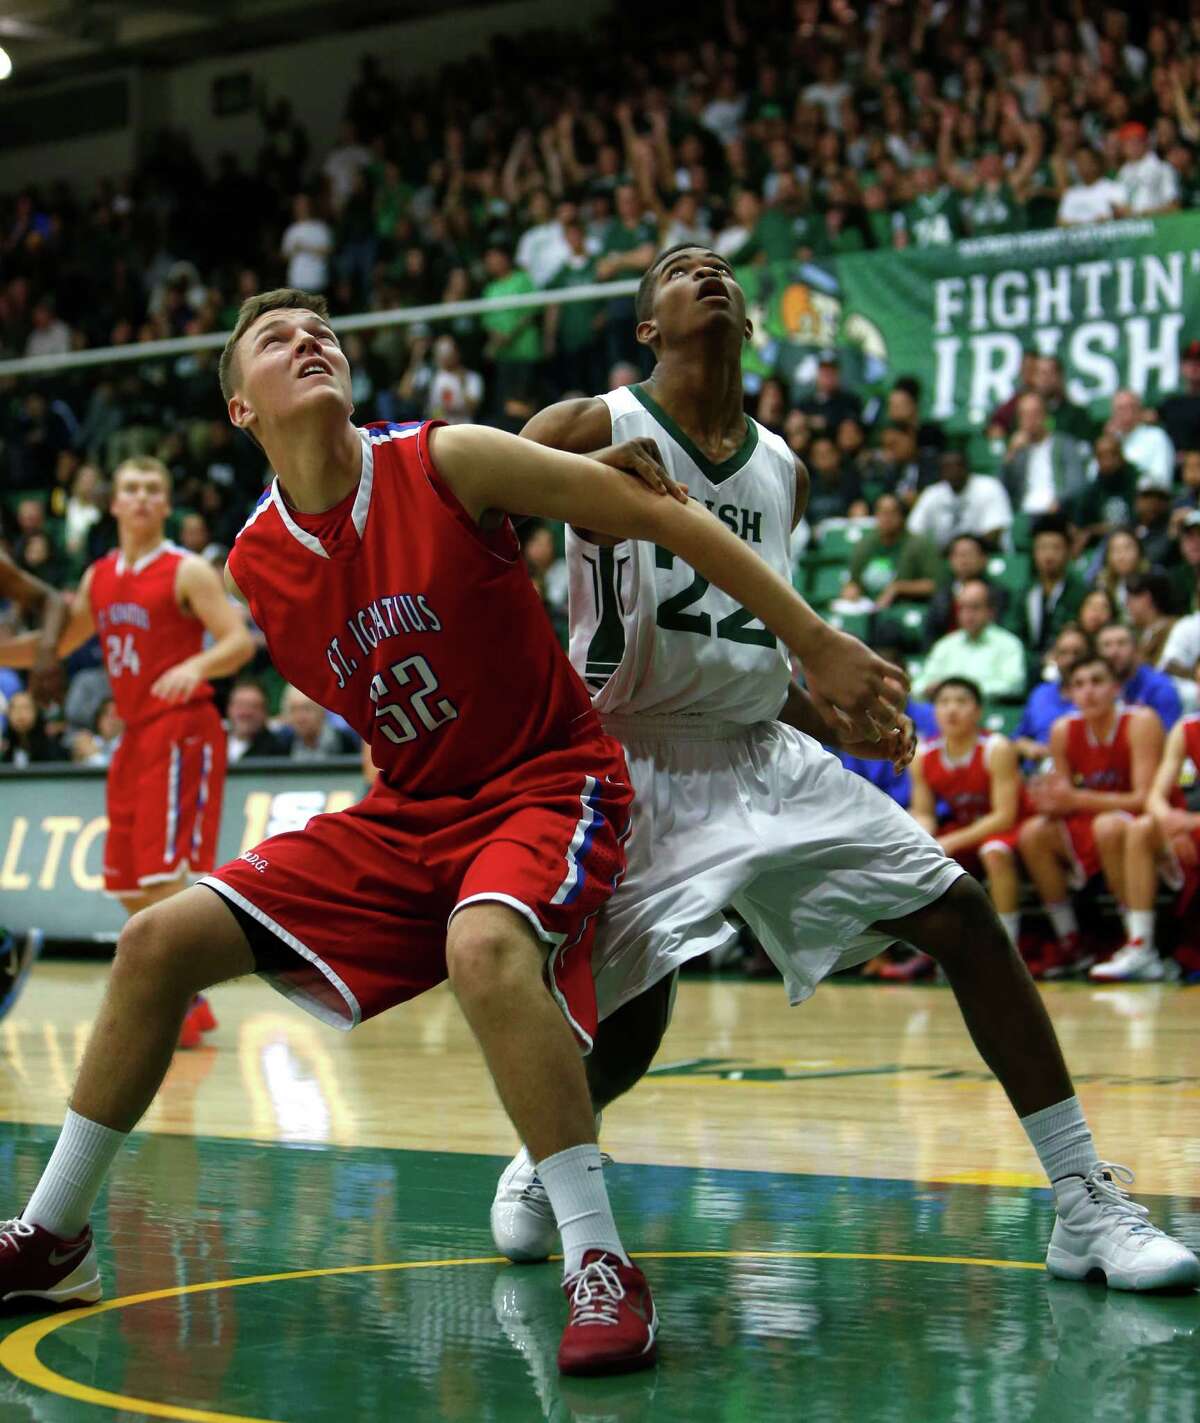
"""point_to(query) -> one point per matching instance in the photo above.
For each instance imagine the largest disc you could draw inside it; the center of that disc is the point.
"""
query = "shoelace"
(10, 1230)
(1101, 1185)
(595, 1293)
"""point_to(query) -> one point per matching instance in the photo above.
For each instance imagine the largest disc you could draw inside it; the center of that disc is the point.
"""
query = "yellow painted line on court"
(18, 1352)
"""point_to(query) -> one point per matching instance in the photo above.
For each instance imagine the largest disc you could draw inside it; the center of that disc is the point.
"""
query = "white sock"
(64, 1197)
(1062, 1139)
(1140, 925)
(1062, 918)
(574, 1181)
(1012, 926)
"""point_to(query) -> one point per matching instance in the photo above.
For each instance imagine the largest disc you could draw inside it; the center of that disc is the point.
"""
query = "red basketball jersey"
(425, 632)
(964, 786)
(1095, 765)
(1186, 795)
(142, 629)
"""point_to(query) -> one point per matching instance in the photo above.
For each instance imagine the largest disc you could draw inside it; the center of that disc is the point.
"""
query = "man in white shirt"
(343, 165)
(452, 392)
(1095, 198)
(50, 336)
(307, 243)
(1150, 185)
(542, 249)
(962, 503)
(1147, 447)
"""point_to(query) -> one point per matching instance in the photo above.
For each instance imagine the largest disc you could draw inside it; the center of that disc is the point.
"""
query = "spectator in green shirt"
(1106, 501)
(889, 563)
(514, 337)
(571, 333)
(933, 217)
(627, 247)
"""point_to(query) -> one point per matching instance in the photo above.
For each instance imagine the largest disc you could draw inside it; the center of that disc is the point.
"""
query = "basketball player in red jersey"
(151, 604)
(1105, 756)
(387, 581)
(978, 778)
(1165, 842)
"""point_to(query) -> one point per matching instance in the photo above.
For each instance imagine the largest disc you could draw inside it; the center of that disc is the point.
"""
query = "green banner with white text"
(1113, 301)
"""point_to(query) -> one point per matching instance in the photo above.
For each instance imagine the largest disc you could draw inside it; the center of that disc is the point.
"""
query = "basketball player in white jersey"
(736, 801)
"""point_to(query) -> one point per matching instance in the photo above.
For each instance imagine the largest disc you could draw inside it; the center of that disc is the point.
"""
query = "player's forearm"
(53, 624)
(229, 653)
(1097, 802)
(21, 650)
(995, 822)
(800, 711)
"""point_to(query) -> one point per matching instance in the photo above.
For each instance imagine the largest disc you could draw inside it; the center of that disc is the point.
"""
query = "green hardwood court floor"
(754, 1327)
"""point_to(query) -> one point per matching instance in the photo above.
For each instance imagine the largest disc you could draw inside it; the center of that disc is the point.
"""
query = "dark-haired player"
(387, 580)
(976, 776)
(1105, 755)
(152, 604)
(736, 802)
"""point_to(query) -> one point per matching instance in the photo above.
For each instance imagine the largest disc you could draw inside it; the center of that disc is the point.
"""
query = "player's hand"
(641, 458)
(177, 683)
(1176, 822)
(1185, 851)
(899, 746)
(1052, 794)
(855, 690)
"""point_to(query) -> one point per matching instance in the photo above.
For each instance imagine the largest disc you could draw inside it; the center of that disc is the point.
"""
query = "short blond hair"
(143, 464)
(281, 299)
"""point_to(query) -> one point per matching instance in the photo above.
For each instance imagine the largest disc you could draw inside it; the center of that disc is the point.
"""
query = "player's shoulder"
(257, 519)
(391, 432)
(579, 425)
(1141, 716)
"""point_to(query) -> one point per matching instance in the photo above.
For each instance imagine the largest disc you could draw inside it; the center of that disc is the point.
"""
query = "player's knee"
(962, 922)
(1033, 835)
(484, 954)
(146, 951)
(1109, 829)
(1142, 832)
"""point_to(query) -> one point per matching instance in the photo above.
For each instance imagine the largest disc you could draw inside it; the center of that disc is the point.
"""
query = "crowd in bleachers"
(776, 131)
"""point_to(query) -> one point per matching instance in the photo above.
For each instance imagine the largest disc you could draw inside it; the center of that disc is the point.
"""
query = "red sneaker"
(204, 1013)
(192, 1033)
(611, 1319)
(1066, 958)
(909, 970)
(35, 1265)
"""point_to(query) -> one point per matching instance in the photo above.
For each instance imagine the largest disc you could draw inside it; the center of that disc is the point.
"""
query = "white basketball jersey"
(649, 635)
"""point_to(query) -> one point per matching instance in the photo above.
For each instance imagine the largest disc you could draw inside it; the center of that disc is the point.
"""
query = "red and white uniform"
(496, 782)
(964, 786)
(1095, 766)
(1186, 796)
(167, 777)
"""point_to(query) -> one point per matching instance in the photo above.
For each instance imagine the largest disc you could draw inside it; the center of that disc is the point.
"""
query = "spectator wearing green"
(993, 201)
(1106, 501)
(514, 336)
(1055, 596)
(877, 212)
(933, 218)
(890, 564)
(627, 248)
(987, 655)
(571, 332)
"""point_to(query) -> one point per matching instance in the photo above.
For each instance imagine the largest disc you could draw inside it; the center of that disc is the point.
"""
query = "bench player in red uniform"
(386, 578)
(1164, 843)
(977, 777)
(1105, 755)
(151, 604)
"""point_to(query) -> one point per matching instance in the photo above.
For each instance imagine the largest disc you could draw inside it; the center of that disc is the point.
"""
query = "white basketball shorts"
(762, 818)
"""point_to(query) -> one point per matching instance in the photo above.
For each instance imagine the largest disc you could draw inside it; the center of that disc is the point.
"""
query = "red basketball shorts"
(363, 896)
(165, 786)
(1081, 847)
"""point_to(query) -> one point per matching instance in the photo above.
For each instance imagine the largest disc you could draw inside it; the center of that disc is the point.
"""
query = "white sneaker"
(1100, 1232)
(1134, 962)
(523, 1224)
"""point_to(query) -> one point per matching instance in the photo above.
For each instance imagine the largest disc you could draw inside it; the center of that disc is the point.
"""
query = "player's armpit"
(578, 426)
(232, 589)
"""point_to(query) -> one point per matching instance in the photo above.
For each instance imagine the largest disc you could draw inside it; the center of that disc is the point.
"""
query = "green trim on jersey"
(607, 647)
(714, 473)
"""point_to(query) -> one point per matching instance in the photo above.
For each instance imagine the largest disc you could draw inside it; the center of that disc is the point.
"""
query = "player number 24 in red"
(394, 721)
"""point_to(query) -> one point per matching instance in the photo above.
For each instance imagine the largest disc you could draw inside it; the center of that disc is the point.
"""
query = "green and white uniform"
(731, 806)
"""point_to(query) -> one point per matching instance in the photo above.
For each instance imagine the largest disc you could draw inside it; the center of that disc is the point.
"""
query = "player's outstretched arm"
(24, 649)
(50, 608)
(199, 589)
(898, 745)
(490, 470)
